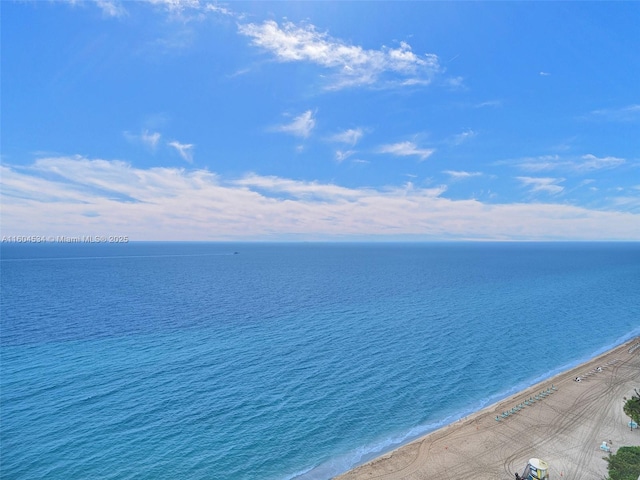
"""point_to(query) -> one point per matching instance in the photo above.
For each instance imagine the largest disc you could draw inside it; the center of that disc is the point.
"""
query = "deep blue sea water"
(183, 360)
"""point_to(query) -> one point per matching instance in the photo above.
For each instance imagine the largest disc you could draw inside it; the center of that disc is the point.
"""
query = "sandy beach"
(565, 425)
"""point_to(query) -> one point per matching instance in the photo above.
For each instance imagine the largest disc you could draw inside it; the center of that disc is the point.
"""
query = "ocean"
(282, 361)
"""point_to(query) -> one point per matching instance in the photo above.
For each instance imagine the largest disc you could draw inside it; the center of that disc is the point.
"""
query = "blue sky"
(195, 120)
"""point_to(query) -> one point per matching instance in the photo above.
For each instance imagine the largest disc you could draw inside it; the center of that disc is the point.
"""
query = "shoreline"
(564, 425)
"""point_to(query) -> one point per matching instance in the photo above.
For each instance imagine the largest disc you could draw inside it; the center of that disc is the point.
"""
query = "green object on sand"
(625, 464)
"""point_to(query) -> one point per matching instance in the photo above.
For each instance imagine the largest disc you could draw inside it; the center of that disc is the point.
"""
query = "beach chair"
(604, 447)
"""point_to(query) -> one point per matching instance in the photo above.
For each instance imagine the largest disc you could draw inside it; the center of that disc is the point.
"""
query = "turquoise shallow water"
(183, 360)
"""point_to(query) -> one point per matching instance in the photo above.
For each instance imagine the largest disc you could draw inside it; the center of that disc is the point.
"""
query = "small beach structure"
(536, 469)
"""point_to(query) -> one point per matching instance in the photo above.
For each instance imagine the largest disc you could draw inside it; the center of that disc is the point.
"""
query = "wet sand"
(565, 428)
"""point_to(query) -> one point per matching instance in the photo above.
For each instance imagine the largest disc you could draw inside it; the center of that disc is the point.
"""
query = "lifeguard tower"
(536, 469)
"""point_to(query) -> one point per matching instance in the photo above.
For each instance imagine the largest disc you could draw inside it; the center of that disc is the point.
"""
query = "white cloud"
(296, 188)
(589, 163)
(150, 139)
(459, 175)
(111, 8)
(455, 83)
(350, 136)
(182, 5)
(404, 149)
(627, 113)
(540, 164)
(542, 184)
(463, 137)
(488, 103)
(584, 164)
(185, 150)
(212, 7)
(301, 126)
(342, 155)
(352, 65)
(192, 10)
(177, 5)
(629, 203)
(78, 196)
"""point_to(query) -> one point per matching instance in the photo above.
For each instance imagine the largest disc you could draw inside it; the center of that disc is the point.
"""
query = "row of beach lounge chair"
(540, 396)
(595, 370)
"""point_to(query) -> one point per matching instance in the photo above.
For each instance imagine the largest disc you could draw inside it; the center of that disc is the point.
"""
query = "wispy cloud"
(584, 164)
(542, 184)
(342, 155)
(350, 136)
(489, 103)
(455, 83)
(297, 188)
(216, 8)
(185, 150)
(179, 9)
(176, 5)
(191, 9)
(188, 11)
(351, 65)
(405, 149)
(301, 126)
(146, 138)
(111, 8)
(460, 175)
(629, 202)
(463, 137)
(627, 113)
(76, 195)
(539, 164)
(150, 139)
(544, 74)
(589, 163)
